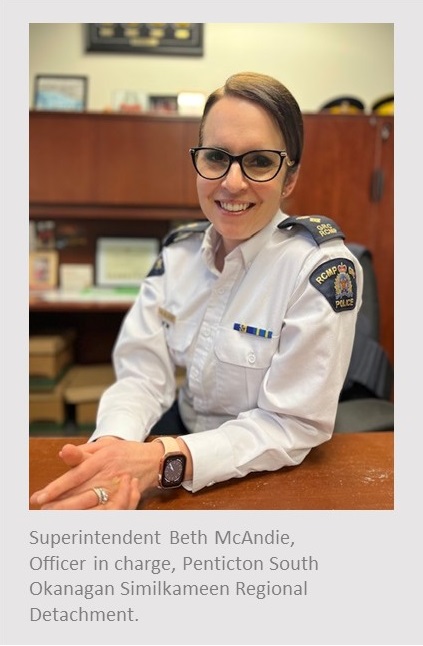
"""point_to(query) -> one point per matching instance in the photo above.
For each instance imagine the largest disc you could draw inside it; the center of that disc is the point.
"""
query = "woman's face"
(238, 207)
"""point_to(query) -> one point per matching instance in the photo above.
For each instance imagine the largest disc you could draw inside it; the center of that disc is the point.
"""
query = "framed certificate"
(60, 92)
(124, 261)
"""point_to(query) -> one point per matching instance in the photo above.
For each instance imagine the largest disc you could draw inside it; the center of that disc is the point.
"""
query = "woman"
(258, 308)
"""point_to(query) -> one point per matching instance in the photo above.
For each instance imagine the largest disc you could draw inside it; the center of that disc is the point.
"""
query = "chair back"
(370, 373)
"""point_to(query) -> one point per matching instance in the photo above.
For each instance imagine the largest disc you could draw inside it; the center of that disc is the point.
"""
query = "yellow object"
(343, 105)
(384, 107)
(344, 108)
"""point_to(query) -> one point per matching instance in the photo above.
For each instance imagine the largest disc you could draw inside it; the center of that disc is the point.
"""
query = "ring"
(101, 494)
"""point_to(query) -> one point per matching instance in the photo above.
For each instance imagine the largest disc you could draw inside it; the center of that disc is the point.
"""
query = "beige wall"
(316, 61)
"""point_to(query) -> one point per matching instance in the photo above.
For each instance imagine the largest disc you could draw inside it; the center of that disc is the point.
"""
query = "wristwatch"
(172, 464)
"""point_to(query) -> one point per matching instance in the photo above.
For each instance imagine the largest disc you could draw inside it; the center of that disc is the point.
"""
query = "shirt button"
(206, 332)
(251, 358)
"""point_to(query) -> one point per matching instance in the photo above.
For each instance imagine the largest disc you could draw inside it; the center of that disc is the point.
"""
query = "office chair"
(364, 403)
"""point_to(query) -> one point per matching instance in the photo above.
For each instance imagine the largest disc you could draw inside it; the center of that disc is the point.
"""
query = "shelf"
(111, 212)
(96, 300)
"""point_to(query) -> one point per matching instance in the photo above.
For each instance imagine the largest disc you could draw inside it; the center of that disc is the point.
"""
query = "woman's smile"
(234, 207)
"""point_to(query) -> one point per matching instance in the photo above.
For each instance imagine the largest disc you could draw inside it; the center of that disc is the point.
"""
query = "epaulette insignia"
(336, 280)
(184, 231)
(158, 267)
(320, 227)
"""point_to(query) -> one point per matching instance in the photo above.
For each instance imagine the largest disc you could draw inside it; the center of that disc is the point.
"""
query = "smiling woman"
(239, 304)
(253, 185)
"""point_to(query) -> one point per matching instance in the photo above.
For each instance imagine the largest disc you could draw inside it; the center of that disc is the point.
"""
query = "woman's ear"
(289, 183)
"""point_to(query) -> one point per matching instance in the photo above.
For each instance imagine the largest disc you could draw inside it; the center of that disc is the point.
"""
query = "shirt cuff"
(212, 459)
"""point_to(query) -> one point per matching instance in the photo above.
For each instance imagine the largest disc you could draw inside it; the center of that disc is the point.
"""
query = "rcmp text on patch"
(336, 280)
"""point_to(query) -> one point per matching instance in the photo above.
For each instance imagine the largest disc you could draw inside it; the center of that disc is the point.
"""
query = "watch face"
(173, 471)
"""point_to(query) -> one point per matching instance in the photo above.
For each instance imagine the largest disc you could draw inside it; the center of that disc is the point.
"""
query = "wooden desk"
(351, 471)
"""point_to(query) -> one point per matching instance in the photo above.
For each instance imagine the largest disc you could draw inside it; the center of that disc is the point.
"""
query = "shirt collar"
(248, 249)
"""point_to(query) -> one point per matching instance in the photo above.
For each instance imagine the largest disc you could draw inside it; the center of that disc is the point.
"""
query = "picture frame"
(43, 269)
(130, 101)
(163, 104)
(124, 262)
(164, 38)
(60, 92)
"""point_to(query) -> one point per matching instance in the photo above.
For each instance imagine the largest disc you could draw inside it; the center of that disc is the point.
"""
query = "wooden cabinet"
(347, 174)
(132, 175)
(127, 162)
(107, 175)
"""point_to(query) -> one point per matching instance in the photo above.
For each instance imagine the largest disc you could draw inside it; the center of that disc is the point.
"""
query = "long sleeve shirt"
(265, 343)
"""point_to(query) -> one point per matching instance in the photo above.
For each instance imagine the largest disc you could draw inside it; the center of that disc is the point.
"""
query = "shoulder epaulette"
(320, 227)
(184, 231)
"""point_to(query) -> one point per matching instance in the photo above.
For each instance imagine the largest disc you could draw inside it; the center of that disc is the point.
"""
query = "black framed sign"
(168, 38)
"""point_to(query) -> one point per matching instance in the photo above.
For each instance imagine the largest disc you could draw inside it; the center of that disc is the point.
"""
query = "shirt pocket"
(242, 361)
(179, 338)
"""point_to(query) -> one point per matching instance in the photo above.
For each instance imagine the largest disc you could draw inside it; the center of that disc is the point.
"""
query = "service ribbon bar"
(249, 329)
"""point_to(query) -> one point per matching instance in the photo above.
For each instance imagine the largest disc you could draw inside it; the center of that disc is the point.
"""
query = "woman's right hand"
(102, 464)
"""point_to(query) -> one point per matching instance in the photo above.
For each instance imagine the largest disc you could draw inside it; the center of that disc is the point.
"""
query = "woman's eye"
(215, 156)
(260, 161)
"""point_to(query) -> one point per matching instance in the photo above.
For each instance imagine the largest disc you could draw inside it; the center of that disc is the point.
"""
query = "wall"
(316, 61)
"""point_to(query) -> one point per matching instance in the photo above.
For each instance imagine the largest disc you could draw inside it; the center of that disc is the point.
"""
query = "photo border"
(50, 259)
(63, 92)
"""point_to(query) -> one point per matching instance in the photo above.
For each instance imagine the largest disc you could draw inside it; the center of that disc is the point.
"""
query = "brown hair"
(275, 98)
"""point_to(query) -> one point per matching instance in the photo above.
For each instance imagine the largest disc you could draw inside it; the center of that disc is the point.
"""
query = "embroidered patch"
(158, 267)
(336, 280)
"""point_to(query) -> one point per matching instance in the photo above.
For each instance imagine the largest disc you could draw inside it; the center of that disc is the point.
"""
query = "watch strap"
(170, 444)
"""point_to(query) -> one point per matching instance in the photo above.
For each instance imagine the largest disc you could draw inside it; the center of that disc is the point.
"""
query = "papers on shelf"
(91, 294)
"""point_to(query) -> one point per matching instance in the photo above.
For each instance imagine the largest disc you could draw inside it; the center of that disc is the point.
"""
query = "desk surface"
(351, 471)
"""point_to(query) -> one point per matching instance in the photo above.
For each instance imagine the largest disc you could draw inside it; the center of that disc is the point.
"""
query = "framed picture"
(124, 262)
(43, 269)
(163, 38)
(134, 101)
(53, 92)
(164, 104)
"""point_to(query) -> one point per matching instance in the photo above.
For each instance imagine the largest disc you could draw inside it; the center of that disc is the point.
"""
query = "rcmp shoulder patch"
(158, 267)
(184, 231)
(336, 280)
(320, 227)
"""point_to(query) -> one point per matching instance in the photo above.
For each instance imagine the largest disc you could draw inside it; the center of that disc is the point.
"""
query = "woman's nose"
(234, 179)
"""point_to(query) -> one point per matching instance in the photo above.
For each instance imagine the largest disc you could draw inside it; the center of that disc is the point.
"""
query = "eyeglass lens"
(258, 165)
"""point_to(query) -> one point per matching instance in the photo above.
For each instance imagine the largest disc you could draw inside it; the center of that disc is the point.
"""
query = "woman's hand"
(107, 463)
(126, 496)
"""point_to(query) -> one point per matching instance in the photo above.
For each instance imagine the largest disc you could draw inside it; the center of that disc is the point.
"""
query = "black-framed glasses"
(257, 165)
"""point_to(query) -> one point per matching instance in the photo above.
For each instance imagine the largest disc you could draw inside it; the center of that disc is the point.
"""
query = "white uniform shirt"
(252, 401)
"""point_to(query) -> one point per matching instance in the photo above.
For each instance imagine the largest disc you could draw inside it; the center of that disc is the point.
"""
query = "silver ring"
(101, 494)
